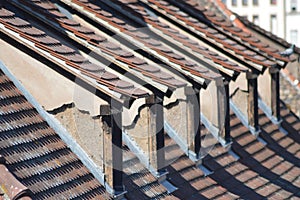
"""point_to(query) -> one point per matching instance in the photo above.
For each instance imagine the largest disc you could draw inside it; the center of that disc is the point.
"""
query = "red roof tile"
(266, 33)
(198, 20)
(35, 154)
(109, 47)
(70, 56)
(10, 186)
(136, 9)
(146, 39)
(42, 162)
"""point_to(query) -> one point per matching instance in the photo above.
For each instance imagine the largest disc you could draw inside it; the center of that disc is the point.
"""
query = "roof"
(291, 83)
(232, 30)
(133, 62)
(68, 55)
(11, 188)
(186, 41)
(254, 168)
(218, 30)
(36, 156)
(266, 33)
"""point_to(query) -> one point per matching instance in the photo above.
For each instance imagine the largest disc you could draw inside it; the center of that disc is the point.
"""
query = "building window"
(255, 19)
(293, 5)
(273, 2)
(294, 36)
(244, 16)
(255, 2)
(233, 2)
(273, 24)
(245, 2)
(224, 1)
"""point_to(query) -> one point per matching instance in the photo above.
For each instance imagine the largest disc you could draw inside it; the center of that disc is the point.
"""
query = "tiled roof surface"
(199, 10)
(190, 180)
(139, 182)
(42, 162)
(150, 42)
(268, 168)
(67, 54)
(36, 155)
(266, 33)
(139, 10)
(263, 171)
(11, 188)
(206, 25)
(47, 8)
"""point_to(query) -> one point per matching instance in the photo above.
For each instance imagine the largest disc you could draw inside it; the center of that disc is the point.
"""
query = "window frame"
(255, 18)
(294, 32)
(273, 24)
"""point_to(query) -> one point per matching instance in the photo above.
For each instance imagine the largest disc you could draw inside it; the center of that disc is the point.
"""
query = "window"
(273, 2)
(244, 16)
(255, 2)
(233, 2)
(273, 24)
(224, 1)
(293, 5)
(255, 19)
(245, 2)
(294, 36)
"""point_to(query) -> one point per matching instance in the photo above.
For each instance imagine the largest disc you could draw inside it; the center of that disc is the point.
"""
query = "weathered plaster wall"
(139, 130)
(86, 130)
(264, 87)
(176, 116)
(209, 103)
(238, 91)
(41, 81)
(51, 89)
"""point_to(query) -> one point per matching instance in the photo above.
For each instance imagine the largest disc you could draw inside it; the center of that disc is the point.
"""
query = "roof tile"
(36, 155)
(69, 55)
(11, 186)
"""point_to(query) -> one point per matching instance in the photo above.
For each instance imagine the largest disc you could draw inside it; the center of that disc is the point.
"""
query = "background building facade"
(292, 11)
